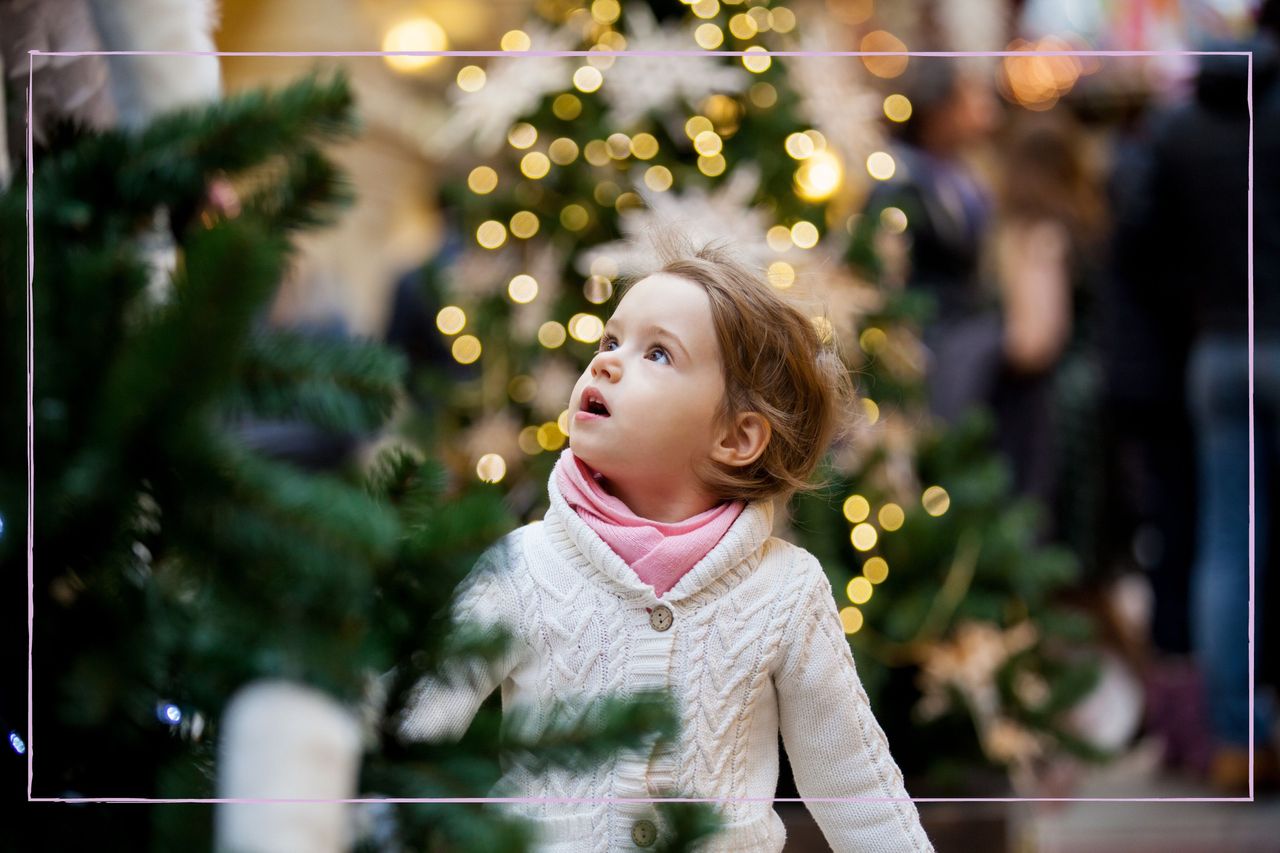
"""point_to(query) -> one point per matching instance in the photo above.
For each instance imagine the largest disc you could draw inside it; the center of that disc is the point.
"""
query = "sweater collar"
(745, 537)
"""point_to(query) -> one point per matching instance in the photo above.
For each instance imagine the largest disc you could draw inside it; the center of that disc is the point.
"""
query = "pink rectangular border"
(30, 744)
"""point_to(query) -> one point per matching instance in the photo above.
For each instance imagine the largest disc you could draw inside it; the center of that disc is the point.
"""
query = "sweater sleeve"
(835, 745)
(442, 706)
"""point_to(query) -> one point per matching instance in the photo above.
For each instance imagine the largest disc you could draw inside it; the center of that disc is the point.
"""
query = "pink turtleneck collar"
(660, 553)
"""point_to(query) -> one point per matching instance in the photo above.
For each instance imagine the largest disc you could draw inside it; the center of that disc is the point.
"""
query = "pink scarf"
(660, 553)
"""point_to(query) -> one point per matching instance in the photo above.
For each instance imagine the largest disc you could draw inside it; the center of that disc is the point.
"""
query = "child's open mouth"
(592, 406)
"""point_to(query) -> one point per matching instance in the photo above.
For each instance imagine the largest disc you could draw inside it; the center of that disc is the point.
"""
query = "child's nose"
(606, 364)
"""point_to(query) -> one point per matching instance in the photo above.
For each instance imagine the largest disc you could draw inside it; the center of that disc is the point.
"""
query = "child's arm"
(442, 709)
(835, 745)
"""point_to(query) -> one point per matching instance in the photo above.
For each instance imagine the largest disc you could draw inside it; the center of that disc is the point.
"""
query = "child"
(709, 398)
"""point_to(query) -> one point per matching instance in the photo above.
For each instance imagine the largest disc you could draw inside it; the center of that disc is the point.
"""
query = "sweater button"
(644, 833)
(660, 618)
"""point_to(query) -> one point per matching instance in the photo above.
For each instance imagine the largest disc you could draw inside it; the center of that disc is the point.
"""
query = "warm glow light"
(875, 569)
(781, 274)
(605, 266)
(466, 348)
(550, 437)
(763, 95)
(1037, 82)
(644, 146)
(567, 107)
(471, 78)
(893, 220)
(491, 468)
(891, 517)
(562, 422)
(528, 441)
(696, 125)
(451, 319)
(880, 165)
(413, 35)
(551, 334)
(859, 590)
(535, 165)
(897, 108)
(778, 238)
(856, 508)
(851, 619)
(658, 178)
(883, 42)
(804, 234)
(596, 152)
(587, 79)
(574, 217)
(491, 234)
(798, 145)
(515, 40)
(522, 135)
(605, 11)
(936, 501)
(708, 143)
(872, 340)
(524, 224)
(523, 289)
(711, 166)
(863, 537)
(563, 151)
(871, 410)
(619, 146)
(708, 36)
(705, 8)
(482, 180)
(742, 26)
(782, 19)
(819, 176)
(597, 289)
(757, 59)
(586, 328)
(606, 193)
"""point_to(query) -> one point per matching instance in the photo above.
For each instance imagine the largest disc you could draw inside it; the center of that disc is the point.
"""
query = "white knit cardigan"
(754, 646)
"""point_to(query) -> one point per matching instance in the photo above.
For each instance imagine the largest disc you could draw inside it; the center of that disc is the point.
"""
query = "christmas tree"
(179, 560)
(949, 602)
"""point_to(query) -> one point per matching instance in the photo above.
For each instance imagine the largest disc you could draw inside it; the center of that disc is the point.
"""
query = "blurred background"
(306, 327)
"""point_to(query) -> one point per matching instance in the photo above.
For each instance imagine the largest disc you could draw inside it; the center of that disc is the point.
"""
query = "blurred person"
(1193, 219)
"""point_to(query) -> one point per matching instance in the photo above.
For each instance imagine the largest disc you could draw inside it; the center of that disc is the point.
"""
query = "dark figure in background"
(1191, 225)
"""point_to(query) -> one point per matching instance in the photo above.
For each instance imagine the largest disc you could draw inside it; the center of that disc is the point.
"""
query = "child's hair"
(775, 362)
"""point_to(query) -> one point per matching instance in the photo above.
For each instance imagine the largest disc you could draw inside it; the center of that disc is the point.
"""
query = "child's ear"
(742, 442)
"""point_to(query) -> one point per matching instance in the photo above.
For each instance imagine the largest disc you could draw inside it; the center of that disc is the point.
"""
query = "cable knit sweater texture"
(754, 646)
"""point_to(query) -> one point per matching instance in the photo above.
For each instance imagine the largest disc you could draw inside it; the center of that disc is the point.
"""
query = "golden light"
(819, 176)
(742, 26)
(880, 165)
(708, 36)
(778, 238)
(705, 8)
(1037, 82)
(491, 468)
(936, 501)
(451, 319)
(596, 152)
(587, 79)
(626, 201)
(523, 289)
(875, 570)
(574, 217)
(851, 619)
(891, 517)
(696, 125)
(535, 165)
(606, 193)
(708, 143)
(711, 166)
(798, 145)
(522, 135)
(644, 146)
(550, 437)
(601, 62)
(757, 59)
(613, 40)
(586, 328)
(466, 348)
(515, 40)
(872, 340)
(823, 327)
(597, 289)
(471, 78)
(619, 145)
(897, 108)
(658, 178)
(781, 274)
(522, 388)
(782, 19)
(412, 35)
(856, 508)
(725, 113)
(851, 12)
(566, 107)
(859, 590)
(605, 11)
(819, 141)
(605, 266)
(551, 334)
(528, 441)
(491, 234)
(482, 180)
(562, 422)
(804, 234)
(763, 95)
(524, 224)
(863, 537)
(562, 151)
(871, 410)
(893, 220)
(880, 41)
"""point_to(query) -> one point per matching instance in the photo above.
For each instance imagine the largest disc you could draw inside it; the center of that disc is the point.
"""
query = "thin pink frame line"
(668, 53)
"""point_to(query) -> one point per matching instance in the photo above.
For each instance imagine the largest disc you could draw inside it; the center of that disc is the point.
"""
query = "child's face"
(662, 391)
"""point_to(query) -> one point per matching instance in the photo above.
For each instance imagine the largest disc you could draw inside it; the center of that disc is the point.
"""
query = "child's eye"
(604, 343)
(662, 352)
